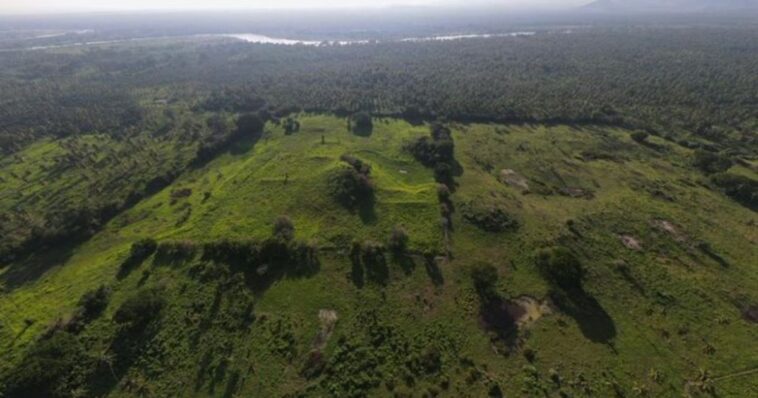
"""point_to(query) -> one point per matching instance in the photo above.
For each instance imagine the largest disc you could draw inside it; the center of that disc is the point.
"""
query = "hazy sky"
(54, 6)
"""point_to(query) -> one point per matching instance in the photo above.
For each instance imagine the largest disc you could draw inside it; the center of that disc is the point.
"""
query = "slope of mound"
(228, 297)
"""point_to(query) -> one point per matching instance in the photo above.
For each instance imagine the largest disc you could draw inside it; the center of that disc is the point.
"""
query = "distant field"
(670, 266)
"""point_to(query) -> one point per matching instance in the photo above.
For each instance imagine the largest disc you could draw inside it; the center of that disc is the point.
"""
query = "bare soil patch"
(526, 310)
(630, 242)
(328, 319)
(669, 228)
(514, 179)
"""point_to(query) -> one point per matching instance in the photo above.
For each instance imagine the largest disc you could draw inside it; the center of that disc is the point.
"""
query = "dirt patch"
(630, 242)
(328, 319)
(669, 228)
(526, 310)
(514, 179)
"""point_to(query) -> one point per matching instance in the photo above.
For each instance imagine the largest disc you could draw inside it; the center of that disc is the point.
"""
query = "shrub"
(490, 219)
(443, 193)
(291, 126)
(284, 228)
(710, 162)
(484, 277)
(639, 136)
(362, 122)
(139, 310)
(141, 250)
(94, 302)
(175, 251)
(398, 242)
(740, 188)
(351, 188)
(436, 151)
(46, 369)
(250, 124)
(559, 266)
(357, 164)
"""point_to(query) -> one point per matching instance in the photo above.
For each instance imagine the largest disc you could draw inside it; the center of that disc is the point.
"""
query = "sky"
(59, 6)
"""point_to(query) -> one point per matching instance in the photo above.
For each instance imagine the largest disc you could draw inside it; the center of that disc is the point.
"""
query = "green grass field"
(670, 265)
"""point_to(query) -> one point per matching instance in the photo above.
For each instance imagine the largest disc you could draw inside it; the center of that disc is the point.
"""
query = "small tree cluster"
(362, 123)
(284, 228)
(398, 242)
(139, 310)
(89, 307)
(175, 251)
(639, 136)
(710, 162)
(264, 260)
(738, 187)
(484, 276)
(139, 252)
(357, 164)
(436, 151)
(291, 126)
(46, 370)
(370, 255)
(352, 186)
(490, 219)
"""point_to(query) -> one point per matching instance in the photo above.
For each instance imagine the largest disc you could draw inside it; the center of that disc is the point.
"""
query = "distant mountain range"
(671, 5)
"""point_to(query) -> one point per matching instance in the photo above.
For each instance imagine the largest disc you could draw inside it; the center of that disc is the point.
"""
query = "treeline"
(665, 81)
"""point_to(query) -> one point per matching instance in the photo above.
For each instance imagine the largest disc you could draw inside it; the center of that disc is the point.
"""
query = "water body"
(262, 39)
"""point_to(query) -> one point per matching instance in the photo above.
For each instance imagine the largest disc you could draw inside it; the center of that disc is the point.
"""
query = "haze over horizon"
(78, 6)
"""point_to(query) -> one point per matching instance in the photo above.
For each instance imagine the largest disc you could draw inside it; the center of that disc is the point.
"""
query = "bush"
(362, 122)
(284, 228)
(398, 242)
(141, 250)
(710, 162)
(559, 266)
(484, 277)
(94, 302)
(357, 164)
(250, 124)
(351, 188)
(46, 369)
(291, 126)
(436, 151)
(139, 310)
(490, 219)
(639, 136)
(175, 251)
(443, 193)
(740, 188)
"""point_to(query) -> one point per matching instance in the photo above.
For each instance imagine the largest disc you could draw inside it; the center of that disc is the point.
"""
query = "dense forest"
(670, 82)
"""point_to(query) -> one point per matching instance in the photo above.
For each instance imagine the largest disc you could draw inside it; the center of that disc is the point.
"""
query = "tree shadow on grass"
(405, 261)
(594, 322)
(127, 347)
(357, 275)
(366, 211)
(33, 266)
(433, 270)
(496, 317)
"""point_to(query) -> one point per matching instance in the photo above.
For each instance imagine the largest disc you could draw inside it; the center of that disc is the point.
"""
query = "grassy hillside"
(668, 263)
